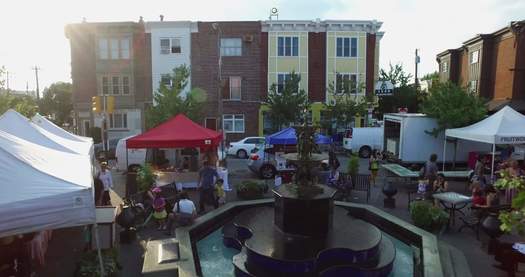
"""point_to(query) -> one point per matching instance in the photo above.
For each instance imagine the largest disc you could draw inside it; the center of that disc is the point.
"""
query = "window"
(103, 49)
(282, 78)
(231, 47)
(114, 49)
(346, 47)
(116, 85)
(233, 123)
(118, 121)
(474, 57)
(251, 141)
(444, 67)
(288, 46)
(105, 85)
(473, 86)
(165, 79)
(170, 46)
(125, 85)
(235, 88)
(346, 83)
(124, 48)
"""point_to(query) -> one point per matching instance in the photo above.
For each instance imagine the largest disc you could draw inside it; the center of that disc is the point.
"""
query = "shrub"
(145, 178)
(426, 216)
(249, 190)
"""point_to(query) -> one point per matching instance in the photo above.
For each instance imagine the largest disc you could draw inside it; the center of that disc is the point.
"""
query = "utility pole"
(416, 81)
(7, 79)
(36, 69)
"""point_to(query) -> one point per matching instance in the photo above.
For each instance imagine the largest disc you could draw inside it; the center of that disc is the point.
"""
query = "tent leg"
(444, 151)
(127, 160)
(101, 264)
(492, 168)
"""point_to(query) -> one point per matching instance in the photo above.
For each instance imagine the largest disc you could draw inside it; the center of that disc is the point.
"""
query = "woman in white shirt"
(107, 181)
(184, 213)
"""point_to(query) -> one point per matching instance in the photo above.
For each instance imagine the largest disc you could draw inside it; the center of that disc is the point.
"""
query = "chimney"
(161, 17)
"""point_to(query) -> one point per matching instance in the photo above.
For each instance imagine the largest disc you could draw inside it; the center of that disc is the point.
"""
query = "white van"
(134, 156)
(363, 140)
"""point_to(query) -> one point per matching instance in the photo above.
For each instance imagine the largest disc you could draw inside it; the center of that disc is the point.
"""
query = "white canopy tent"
(49, 126)
(42, 188)
(16, 124)
(507, 126)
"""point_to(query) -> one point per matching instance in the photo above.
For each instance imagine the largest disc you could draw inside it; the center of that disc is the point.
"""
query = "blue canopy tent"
(287, 136)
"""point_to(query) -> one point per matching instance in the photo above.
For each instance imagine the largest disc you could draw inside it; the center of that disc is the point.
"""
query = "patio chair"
(362, 183)
(474, 219)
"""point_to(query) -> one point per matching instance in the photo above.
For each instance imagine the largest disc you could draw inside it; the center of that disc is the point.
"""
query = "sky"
(32, 32)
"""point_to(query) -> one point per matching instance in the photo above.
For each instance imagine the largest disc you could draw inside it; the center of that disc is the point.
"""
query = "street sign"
(384, 88)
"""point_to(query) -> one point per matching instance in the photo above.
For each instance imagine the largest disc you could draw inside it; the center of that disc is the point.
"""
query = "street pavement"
(65, 247)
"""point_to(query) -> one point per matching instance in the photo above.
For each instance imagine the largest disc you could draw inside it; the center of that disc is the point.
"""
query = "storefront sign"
(512, 140)
(384, 88)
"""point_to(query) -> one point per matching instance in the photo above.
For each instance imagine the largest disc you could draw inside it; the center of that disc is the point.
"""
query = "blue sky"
(32, 32)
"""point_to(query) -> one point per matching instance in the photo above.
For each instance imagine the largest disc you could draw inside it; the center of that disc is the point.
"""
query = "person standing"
(107, 181)
(373, 165)
(207, 176)
(430, 170)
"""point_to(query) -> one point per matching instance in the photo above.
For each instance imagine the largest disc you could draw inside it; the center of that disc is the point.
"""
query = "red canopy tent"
(178, 132)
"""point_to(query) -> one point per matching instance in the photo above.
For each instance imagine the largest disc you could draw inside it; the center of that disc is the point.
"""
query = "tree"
(434, 77)
(170, 101)
(56, 102)
(404, 95)
(453, 107)
(396, 74)
(345, 106)
(26, 105)
(2, 80)
(288, 105)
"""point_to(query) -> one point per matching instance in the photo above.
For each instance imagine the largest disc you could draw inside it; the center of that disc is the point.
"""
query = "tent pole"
(127, 160)
(492, 168)
(101, 264)
(444, 151)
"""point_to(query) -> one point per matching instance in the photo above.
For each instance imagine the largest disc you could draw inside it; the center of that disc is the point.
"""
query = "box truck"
(408, 137)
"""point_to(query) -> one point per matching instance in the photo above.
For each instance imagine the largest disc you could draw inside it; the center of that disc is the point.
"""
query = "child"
(220, 196)
(477, 195)
(159, 206)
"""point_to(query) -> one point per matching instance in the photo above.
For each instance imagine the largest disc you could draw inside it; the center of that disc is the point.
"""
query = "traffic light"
(96, 104)
(110, 104)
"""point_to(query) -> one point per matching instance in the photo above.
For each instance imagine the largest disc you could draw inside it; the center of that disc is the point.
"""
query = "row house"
(490, 65)
(110, 59)
(234, 62)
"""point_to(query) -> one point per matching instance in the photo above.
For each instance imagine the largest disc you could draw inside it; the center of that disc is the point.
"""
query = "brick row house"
(490, 65)
(130, 60)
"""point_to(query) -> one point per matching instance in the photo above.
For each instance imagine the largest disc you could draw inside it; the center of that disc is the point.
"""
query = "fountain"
(304, 234)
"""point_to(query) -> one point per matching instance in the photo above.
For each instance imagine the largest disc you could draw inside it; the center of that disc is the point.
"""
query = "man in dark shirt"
(207, 187)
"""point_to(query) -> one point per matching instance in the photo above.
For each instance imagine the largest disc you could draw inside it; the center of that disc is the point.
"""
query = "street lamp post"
(217, 27)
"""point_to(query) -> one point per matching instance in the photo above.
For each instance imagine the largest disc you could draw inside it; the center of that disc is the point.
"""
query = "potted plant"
(145, 178)
(515, 218)
(428, 217)
(353, 167)
(89, 265)
(249, 190)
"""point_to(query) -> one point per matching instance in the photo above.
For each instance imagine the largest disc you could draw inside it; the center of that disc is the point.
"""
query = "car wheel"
(241, 154)
(365, 152)
(267, 171)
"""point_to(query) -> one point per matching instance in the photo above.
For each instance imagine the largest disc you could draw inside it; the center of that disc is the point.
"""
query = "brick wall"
(503, 59)
(370, 62)
(83, 62)
(249, 67)
(317, 67)
(463, 68)
(519, 70)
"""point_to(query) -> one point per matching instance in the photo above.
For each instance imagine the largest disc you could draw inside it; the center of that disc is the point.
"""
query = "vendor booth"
(182, 146)
(504, 127)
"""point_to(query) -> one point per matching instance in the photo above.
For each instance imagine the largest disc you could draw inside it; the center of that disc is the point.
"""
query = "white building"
(170, 48)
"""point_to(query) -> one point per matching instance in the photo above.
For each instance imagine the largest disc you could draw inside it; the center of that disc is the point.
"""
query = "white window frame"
(286, 75)
(168, 76)
(114, 48)
(112, 120)
(232, 118)
(473, 86)
(110, 86)
(444, 67)
(231, 88)
(284, 47)
(229, 50)
(170, 47)
(103, 50)
(349, 74)
(472, 60)
(117, 86)
(350, 39)
(125, 52)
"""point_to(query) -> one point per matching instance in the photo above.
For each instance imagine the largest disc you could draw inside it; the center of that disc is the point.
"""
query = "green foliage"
(404, 95)
(89, 265)
(514, 219)
(249, 190)
(57, 102)
(170, 102)
(453, 107)
(25, 104)
(427, 216)
(2, 80)
(289, 105)
(145, 177)
(353, 165)
(396, 74)
(345, 107)
(434, 77)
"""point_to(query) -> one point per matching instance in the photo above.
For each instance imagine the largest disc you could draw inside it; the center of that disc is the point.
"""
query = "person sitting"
(184, 213)
(333, 178)
(159, 207)
(440, 184)
(491, 198)
(478, 199)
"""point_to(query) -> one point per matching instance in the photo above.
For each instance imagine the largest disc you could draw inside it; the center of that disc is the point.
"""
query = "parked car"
(363, 140)
(266, 164)
(110, 153)
(243, 147)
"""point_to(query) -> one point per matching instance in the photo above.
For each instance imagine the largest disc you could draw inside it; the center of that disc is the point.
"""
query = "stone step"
(453, 261)
(239, 261)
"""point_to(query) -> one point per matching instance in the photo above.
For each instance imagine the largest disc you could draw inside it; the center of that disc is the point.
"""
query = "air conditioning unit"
(247, 38)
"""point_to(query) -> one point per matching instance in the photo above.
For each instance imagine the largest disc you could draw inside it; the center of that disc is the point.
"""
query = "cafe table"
(452, 202)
